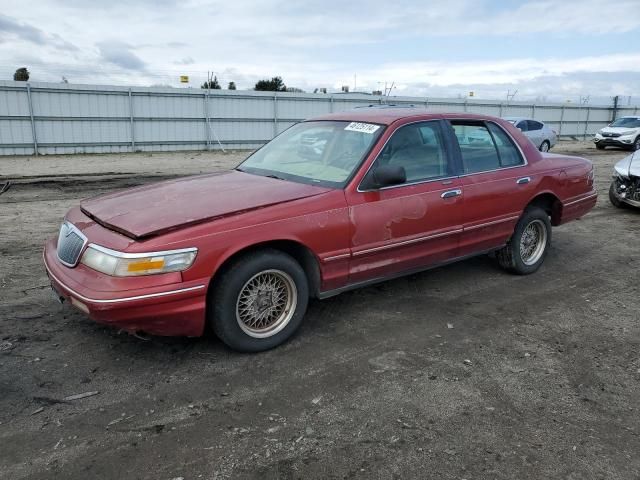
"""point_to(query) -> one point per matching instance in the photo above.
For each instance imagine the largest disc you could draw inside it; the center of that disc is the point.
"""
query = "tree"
(21, 75)
(274, 85)
(232, 86)
(212, 84)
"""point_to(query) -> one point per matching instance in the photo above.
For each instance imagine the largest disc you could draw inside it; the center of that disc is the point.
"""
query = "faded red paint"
(354, 236)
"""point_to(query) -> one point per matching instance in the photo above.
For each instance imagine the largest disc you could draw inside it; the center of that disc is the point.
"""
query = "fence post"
(586, 123)
(207, 118)
(275, 114)
(331, 103)
(533, 111)
(33, 123)
(615, 107)
(500, 111)
(561, 119)
(131, 127)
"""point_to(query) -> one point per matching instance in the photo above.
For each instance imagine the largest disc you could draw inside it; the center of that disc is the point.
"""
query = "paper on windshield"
(362, 127)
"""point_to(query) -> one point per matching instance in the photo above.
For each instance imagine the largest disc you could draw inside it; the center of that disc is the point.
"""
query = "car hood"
(629, 165)
(157, 208)
(618, 129)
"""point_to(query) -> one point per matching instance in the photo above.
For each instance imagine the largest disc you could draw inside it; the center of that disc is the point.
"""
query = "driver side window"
(419, 149)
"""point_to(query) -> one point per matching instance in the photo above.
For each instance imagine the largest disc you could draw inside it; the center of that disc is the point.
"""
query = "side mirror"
(385, 175)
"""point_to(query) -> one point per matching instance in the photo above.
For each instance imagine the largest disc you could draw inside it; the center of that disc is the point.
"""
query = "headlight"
(120, 264)
(627, 133)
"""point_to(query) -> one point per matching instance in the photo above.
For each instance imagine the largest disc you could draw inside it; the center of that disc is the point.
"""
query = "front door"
(411, 225)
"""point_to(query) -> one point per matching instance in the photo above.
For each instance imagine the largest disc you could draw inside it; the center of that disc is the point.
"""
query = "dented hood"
(629, 165)
(158, 208)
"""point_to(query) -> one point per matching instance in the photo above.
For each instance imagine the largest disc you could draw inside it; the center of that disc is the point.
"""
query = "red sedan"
(331, 204)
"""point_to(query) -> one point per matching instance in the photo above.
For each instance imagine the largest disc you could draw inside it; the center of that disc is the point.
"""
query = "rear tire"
(528, 246)
(545, 146)
(613, 198)
(259, 301)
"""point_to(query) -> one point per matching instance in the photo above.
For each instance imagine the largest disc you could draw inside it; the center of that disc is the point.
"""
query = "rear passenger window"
(476, 146)
(509, 154)
(419, 149)
(533, 125)
(485, 147)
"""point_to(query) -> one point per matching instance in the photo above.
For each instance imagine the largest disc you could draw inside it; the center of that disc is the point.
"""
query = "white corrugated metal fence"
(50, 118)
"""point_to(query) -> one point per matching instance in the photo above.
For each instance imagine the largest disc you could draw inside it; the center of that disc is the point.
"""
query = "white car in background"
(623, 132)
(542, 136)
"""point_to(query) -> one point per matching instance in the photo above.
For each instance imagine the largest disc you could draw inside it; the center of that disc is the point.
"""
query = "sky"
(579, 51)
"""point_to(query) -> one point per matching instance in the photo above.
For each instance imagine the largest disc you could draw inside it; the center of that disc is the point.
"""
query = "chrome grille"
(70, 244)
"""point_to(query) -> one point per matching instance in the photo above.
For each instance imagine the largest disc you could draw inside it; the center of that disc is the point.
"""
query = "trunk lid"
(157, 208)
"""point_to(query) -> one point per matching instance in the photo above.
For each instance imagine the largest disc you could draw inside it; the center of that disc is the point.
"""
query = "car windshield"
(319, 152)
(629, 122)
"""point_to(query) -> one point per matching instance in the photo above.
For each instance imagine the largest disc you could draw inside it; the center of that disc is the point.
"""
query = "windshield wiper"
(271, 175)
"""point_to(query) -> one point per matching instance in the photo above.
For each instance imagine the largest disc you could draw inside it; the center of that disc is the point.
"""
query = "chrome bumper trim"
(584, 199)
(121, 299)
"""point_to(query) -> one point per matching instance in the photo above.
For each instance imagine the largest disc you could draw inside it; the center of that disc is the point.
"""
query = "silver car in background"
(542, 136)
(625, 187)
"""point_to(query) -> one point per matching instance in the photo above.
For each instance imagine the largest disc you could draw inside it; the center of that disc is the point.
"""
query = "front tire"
(600, 146)
(545, 146)
(613, 198)
(259, 301)
(636, 144)
(527, 248)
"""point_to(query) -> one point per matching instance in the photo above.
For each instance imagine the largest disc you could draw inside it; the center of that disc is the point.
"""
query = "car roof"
(387, 114)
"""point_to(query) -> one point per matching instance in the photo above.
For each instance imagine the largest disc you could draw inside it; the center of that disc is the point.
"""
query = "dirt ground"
(535, 377)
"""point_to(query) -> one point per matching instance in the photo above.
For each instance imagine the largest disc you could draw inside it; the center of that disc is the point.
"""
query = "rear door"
(414, 224)
(495, 183)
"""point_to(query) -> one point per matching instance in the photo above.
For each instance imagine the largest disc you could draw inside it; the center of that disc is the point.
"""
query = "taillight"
(590, 178)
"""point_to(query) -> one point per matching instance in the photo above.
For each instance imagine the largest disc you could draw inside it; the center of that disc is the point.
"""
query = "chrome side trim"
(589, 197)
(336, 257)
(365, 283)
(495, 222)
(122, 299)
(406, 242)
(118, 254)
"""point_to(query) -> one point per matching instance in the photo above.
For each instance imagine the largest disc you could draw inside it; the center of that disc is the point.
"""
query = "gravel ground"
(462, 372)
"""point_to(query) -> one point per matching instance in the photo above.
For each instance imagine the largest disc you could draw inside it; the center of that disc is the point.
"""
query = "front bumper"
(170, 307)
(623, 199)
(613, 141)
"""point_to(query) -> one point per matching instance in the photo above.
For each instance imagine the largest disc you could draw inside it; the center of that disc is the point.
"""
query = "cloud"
(540, 47)
(119, 53)
(185, 61)
(10, 27)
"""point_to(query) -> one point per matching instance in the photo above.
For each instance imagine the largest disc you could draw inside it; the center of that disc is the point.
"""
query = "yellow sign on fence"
(184, 78)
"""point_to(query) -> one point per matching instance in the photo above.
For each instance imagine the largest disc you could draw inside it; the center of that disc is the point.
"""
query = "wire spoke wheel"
(533, 242)
(266, 303)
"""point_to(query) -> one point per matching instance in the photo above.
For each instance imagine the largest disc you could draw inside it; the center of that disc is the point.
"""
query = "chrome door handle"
(451, 193)
(523, 180)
